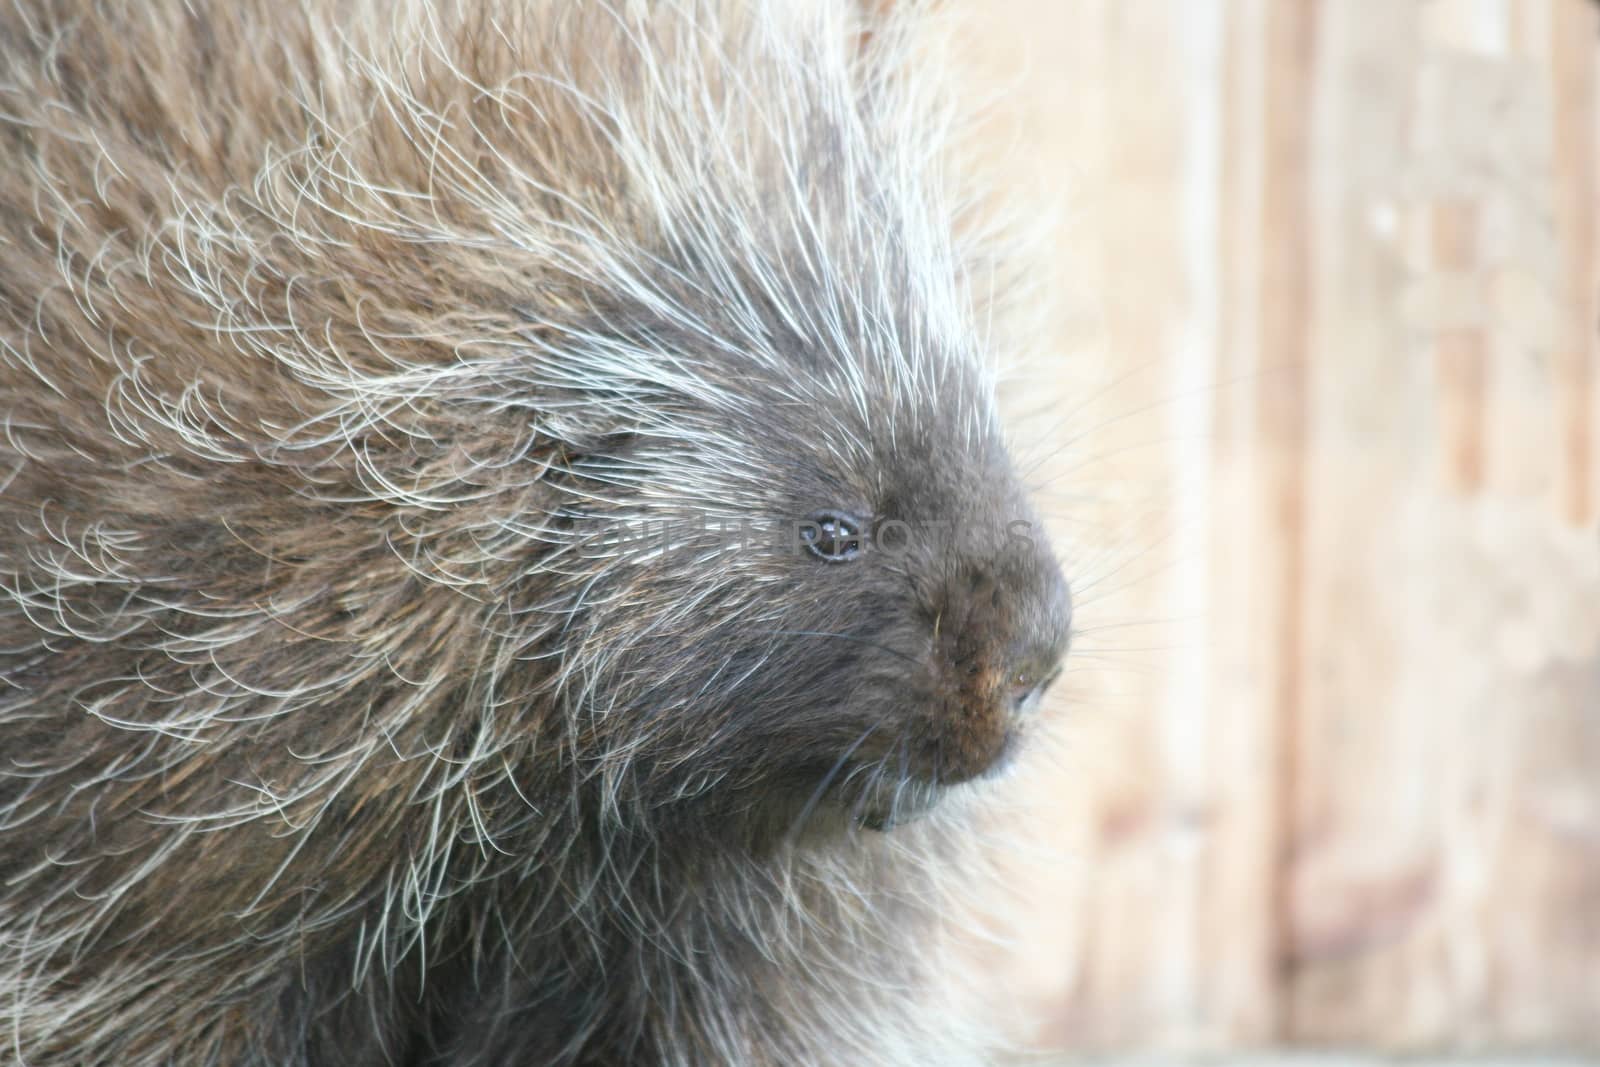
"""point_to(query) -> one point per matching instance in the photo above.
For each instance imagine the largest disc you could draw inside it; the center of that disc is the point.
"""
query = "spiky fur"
(329, 334)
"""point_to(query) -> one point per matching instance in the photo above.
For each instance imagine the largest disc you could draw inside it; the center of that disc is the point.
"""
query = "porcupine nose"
(1001, 636)
(1028, 687)
(1035, 660)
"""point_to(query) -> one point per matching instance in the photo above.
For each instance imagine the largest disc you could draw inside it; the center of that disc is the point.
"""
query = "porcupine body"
(346, 715)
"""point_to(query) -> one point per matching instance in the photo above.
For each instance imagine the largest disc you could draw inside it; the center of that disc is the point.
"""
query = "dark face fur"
(951, 619)
(890, 615)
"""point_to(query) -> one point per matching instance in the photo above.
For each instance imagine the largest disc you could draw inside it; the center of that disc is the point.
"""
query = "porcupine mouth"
(891, 802)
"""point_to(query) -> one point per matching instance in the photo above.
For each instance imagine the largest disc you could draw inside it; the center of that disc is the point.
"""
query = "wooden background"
(1321, 433)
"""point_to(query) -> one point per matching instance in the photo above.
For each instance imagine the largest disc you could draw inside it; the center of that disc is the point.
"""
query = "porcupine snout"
(1001, 631)
(966, 614)
(993, 616)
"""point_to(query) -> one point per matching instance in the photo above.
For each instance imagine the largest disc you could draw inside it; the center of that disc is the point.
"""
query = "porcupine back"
(330, 336)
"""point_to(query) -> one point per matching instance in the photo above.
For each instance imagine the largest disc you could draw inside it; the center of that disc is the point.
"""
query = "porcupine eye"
(832, 537)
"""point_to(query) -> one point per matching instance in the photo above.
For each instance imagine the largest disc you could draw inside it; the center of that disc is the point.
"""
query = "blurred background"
(1318, 424)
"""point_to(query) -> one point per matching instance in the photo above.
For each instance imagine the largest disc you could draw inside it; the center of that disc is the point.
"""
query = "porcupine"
(339, 721)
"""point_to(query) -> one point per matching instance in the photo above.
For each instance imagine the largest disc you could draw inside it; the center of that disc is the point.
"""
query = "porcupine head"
(812, 593)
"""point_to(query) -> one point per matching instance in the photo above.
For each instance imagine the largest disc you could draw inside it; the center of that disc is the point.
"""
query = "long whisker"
(827, 780)
(874, 782)
(905, 779)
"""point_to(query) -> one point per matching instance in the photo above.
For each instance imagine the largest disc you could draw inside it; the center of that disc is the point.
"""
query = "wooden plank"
(1577, 355)
(1241, 911)
(1329, 476)
(1452, 703)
